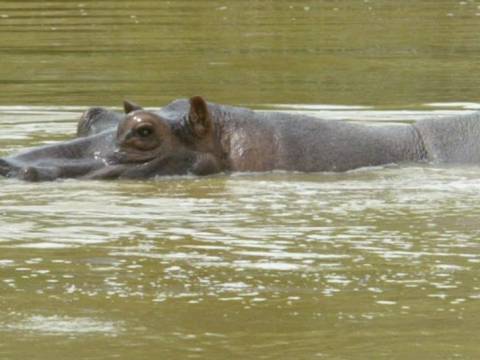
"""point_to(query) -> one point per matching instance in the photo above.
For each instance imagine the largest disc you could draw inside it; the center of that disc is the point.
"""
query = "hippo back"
(452, 139)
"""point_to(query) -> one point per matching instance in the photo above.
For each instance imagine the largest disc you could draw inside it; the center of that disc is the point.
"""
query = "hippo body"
(200, 138)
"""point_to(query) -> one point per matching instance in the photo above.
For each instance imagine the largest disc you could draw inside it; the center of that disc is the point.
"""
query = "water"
(239, 52)
(379, 263)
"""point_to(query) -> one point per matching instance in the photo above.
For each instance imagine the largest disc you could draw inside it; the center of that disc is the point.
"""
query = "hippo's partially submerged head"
(177, 140)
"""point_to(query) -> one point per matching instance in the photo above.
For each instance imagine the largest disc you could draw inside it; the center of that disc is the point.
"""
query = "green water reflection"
(250, 52)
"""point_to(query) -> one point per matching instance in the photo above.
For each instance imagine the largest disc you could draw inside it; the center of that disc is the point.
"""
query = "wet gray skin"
(200, 138)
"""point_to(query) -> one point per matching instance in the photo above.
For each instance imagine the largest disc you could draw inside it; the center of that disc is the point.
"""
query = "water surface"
(239, 52)
(377, 263)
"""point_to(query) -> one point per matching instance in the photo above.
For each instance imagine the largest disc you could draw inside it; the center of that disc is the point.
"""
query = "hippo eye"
(144, 131)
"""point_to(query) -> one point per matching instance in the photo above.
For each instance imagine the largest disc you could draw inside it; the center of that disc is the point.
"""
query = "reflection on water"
(55, 325)
(275, 263)
(250, 51)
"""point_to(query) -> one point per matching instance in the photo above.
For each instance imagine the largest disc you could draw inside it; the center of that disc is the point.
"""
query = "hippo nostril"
(29, 174)
(116, 157)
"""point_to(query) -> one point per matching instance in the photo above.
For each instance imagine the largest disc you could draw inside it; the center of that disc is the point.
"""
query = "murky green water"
(379, 263)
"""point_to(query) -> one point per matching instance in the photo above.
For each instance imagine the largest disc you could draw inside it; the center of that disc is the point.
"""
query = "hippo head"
(179, 139)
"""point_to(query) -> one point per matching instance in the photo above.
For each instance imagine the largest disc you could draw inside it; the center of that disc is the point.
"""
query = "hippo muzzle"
(98, 157)
(70, 159)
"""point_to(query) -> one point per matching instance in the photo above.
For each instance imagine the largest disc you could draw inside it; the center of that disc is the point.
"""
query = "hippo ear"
(129, 106)
(198, 116)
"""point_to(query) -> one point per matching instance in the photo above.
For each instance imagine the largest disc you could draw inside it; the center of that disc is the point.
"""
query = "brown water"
(379, 263)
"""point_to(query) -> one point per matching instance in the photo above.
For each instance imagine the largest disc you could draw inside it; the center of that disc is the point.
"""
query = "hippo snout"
(28, 173)
(5, 167)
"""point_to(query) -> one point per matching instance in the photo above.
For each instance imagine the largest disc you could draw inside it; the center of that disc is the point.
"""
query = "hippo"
(201, 138)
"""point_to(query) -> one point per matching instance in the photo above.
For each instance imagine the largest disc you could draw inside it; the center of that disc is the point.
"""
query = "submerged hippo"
(200, 138)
